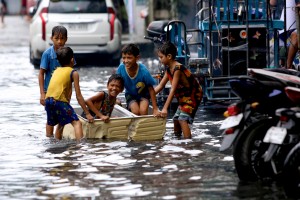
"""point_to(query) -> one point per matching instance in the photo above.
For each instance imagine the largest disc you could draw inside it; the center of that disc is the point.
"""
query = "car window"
(77, 6)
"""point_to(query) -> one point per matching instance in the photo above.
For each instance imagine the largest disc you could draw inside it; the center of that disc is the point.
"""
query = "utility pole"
(150, 10)
(173, 9)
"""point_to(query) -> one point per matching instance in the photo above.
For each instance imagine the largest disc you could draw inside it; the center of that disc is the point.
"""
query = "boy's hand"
(156, 113)
(105, 118)
(164, 113)
(42, 99)
(90, 118)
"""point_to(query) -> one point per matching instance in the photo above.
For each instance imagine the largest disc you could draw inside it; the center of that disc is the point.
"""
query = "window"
(77, 6)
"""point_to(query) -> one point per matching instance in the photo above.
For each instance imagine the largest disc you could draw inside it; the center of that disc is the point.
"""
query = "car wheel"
(115, 62)
(34, 61)
(115, 58)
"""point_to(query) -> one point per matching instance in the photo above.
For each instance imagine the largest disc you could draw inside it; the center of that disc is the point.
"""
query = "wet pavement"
(35, 167)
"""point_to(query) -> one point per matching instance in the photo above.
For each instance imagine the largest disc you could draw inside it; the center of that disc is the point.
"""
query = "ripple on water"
(35, 167)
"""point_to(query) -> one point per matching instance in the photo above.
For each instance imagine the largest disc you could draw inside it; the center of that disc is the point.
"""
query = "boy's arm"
(90, 103)
(70, 96)
(153, 100)
(175, 82)
(161, 84)
(44, 66)
(41, 84)
(79, 96)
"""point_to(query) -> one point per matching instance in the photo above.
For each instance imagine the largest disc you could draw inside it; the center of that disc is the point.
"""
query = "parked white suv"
(92, 25)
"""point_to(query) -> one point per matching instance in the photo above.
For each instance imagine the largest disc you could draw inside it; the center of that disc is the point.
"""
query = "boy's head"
(130, 55)
(168, 48)
(59, 36)
(59, 30)
(115, 84)
(65, 56)
(131, 49)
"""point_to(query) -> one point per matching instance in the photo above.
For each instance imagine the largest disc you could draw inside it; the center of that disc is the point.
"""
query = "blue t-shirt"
(138, 85)
(49, 62)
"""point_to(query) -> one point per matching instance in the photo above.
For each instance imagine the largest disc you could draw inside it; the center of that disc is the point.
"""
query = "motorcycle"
(174, 31)
(248, 119)
(284, 136)
(287, 133)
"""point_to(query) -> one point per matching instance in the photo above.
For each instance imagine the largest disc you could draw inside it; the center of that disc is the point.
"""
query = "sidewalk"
(15, 32)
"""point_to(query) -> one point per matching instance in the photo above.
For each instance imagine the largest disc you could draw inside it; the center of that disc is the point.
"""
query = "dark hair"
(64, 55)
(116, 77)
(131, 49)
(56, 30)
(168, 48)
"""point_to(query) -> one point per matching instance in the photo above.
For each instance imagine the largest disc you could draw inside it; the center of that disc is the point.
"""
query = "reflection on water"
(35, 167)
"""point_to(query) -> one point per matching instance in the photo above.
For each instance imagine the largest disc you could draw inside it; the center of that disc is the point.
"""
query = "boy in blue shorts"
(49, 63)
(59, 111)
(138, 82)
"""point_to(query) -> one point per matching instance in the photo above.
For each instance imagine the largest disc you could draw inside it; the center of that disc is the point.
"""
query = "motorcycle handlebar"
(148, 38)
(154, 39)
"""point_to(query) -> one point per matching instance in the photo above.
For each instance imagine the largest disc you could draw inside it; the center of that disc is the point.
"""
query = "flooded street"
(35, 167)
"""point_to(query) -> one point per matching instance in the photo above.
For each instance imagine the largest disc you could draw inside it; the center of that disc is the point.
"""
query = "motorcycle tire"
(291, 173)
(248, 150)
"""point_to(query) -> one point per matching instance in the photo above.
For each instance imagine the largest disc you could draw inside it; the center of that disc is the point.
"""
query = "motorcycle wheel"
(248, 150)
(291, 173)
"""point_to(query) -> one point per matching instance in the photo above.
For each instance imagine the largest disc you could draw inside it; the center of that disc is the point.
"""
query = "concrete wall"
(13, 7)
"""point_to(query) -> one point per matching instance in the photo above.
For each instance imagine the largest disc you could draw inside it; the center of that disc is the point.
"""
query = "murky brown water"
(35, 167)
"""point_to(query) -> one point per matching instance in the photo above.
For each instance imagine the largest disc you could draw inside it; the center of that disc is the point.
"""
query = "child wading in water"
(102, 104)
(59, 111)
(49, 63)
(184, 86)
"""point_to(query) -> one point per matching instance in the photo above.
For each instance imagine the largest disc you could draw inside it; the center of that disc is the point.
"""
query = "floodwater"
(35, 167)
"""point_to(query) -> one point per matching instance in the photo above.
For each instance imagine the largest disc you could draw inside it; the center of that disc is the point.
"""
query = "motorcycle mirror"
(166, 28)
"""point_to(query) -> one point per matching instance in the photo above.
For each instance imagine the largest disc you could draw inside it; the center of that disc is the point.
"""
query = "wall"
(13, 7)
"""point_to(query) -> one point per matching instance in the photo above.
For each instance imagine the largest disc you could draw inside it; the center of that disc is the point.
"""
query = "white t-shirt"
(290, 17)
